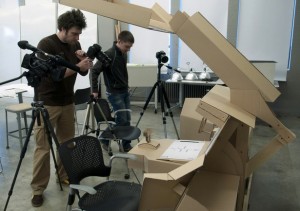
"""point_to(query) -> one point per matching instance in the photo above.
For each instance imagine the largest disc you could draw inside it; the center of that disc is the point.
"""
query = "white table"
(15, 90)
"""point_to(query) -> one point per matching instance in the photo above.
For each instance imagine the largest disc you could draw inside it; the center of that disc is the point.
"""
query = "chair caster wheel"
(126, 176)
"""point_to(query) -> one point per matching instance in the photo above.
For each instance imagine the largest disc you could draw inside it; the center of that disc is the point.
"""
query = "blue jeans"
(123, 118)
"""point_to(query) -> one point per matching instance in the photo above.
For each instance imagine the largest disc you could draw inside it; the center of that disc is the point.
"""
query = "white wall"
(216, 12)
(264, 32)
(148, 42)
(31, 22)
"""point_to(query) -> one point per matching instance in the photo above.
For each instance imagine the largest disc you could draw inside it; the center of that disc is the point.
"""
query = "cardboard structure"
(233, 108)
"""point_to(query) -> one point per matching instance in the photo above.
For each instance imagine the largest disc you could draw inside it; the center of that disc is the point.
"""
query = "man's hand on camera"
(80, 54)
(85, 64)
(95, 95)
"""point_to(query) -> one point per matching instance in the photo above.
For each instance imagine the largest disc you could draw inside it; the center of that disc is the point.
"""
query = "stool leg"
(25, 122)
(7, 144)
(20, 129)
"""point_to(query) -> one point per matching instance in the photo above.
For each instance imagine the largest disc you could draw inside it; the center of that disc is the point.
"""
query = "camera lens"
(161, 56)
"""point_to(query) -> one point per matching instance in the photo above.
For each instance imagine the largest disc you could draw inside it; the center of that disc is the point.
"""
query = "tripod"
(38, 110)
(163, 99)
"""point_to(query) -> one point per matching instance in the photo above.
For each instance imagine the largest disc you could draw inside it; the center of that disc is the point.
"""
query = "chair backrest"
(82, 96)
(105, 109)
(82, 157)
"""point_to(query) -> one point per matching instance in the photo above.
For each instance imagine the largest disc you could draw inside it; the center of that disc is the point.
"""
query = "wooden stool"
(19, 109)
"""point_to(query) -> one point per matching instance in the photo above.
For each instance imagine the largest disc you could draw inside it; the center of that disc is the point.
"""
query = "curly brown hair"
(70, 19)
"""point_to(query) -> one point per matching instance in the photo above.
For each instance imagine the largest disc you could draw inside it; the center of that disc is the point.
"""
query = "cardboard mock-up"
(163, 191)
(149, 159)
(244, 100)
(155, 18)
(210, 191)
(245, 106)
(224, 59)
(191, 121)
(220, 98)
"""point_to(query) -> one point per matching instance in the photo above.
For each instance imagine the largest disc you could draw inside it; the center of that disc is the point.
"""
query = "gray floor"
(274, 186)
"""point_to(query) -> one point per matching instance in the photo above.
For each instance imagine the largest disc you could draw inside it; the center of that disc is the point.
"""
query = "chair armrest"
(122, 110)
(85, 188)
(104, 123)
(122, 156)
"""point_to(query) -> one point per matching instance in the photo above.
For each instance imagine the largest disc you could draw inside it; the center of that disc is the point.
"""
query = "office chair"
(113, 132)
(82, 157)
(81, 97)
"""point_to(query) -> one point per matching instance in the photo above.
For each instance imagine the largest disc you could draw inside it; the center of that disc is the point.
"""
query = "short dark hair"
(126, 36)
(70, 19)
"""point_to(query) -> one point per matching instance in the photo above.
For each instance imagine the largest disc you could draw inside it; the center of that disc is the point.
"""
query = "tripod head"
(161, 57)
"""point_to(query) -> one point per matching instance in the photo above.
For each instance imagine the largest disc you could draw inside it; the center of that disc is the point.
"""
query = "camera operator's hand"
(95, 95)
(80, 54)
(85, 65)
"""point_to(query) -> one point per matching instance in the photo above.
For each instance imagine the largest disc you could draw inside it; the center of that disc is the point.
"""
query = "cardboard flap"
(158, 176)
(159, 12)
(134, 14)
(178, 20)
(179, 189)
(219, 97)
(191, 204)
(187, 168)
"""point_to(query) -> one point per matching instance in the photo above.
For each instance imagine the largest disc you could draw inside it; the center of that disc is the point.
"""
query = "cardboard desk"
(148, 159)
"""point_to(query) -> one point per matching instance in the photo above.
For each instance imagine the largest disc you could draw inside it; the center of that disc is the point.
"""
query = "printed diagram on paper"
(183, 150)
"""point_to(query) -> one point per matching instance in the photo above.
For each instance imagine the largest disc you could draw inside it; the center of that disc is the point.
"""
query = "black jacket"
(115, 75)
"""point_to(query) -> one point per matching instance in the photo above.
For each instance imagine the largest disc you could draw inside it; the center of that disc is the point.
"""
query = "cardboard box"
(210, 191)
(148, 159)
(192, 126)
(163, 191)
(185, 188)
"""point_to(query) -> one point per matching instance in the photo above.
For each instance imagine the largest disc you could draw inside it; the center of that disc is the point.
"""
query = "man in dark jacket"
(116, 81)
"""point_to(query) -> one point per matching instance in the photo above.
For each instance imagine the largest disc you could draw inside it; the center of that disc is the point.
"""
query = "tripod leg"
(168, 106)
(87, 119)
(22, 155)
(50, 133)
(162, 105)
(147, 102)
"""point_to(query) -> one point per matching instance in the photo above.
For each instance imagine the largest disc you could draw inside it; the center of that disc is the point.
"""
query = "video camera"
(53, 65)
(39, 68)
(95, 52)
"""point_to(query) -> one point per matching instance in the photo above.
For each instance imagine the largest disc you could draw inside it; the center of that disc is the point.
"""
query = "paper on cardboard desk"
(184, 150)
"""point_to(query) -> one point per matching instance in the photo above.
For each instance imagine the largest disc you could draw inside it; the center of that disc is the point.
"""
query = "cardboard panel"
(118, 10)
(212, 191)
(148, 159)
(191, 120)
(225, 60)
(219, 97)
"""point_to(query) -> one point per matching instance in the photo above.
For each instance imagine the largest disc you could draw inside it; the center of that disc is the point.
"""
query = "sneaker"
(37, 200)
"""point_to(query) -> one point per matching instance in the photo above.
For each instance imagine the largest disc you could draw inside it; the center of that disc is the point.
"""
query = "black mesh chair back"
(82, 96)
(82, 157)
